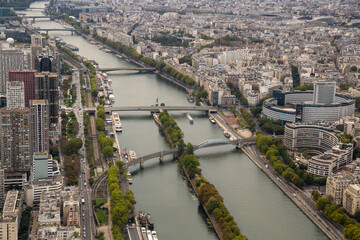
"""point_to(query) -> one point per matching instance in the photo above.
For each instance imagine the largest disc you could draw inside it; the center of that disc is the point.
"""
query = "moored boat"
(191, 120)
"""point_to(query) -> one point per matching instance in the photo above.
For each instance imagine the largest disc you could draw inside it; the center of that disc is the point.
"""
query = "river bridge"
(140, 69)
(25, 16)
(239, 143)
(47, 30)
(156, 108)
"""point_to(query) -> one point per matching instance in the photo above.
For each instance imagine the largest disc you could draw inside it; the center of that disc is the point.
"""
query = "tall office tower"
(324, 92)
(15, 145)
(9, 60)
(15, 94)
(38, 40)
(28, 78)
(46, 87)
(34, 52)
(39, 110)
(45, 64)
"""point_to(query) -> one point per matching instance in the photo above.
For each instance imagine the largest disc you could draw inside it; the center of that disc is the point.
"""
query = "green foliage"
(250, 121)
(66, 69)
(353, 69)
(100, 124)
(168, 40)
(276, 153)
(191, 163)
(149, 61)
(121, 205)
(271, 126)
(24, 224)
(171, 127)
(236, 91)
(186, 59)
(295, 76)
(304, 87)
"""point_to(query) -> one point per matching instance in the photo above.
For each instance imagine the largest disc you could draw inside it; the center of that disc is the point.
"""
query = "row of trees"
(276, 153)
(171, 128)
(68, 52)
(122, 206)
(337, 215)
(295, 76)
(70, 147)
(247, 116)
(93, 86)
(161, 66)
(24, 224)
(88, 142)
(106, 144)
(168, 40)
(209, 197)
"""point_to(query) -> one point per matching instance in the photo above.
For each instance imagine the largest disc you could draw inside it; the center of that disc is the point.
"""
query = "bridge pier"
(72, 33)
(142, 165)
(161, 159)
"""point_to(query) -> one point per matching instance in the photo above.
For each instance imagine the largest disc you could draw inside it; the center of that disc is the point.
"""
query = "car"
(294, 195)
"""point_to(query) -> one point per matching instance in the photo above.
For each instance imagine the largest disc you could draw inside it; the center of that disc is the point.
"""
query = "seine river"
(261, 210)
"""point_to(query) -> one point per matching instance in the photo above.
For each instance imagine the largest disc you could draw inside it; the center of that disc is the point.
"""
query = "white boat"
(129, 177)
(212, 120)
(226, 134)
(117, 122)
(190, 118)
(132, 154)
(112, 97)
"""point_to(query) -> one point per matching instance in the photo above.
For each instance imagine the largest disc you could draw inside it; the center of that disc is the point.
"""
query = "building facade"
(10, 219)
(28, 78)
(39, 110)
(15, 94)
(42, 166)
(46, 87)
(351, 198)
(15, 144)
(324, 92)
(9, 60)
(336, 184)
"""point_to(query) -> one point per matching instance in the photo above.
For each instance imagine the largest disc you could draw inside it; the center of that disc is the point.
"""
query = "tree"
(108, 151)
(288, 174)
(212, 204)
(322, 202)
(100, 124)
(189, 149)
(101, 113)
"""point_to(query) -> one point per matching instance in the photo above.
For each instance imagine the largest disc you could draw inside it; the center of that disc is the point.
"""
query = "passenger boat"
(118, 55)
(226, 134)
(105, 77)
(212, 120)
(117, 122)
(142, 218)
(132, 155)
(149, 221)
(112, 97)
(190, 98)
(154, 235)
(129, 177)
(191, 120)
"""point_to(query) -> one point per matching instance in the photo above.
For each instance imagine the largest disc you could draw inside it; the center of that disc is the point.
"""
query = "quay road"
(86, 215)
(304, 203)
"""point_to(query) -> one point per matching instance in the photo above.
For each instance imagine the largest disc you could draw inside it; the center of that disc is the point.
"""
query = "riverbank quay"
(296, 195)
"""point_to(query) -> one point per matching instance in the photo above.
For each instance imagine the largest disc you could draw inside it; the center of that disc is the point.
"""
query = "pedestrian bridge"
(206, 144)
(127, 69)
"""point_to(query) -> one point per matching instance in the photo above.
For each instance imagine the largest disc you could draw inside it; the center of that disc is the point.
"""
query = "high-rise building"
(46, 87)
(28, 78)
(15, 94)
(9, 60)
(10, 219)
(39, 110)
(34, 52)
(15, 145)
(42, 166)
(38, 40)
(324, 92)
(45, 63)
